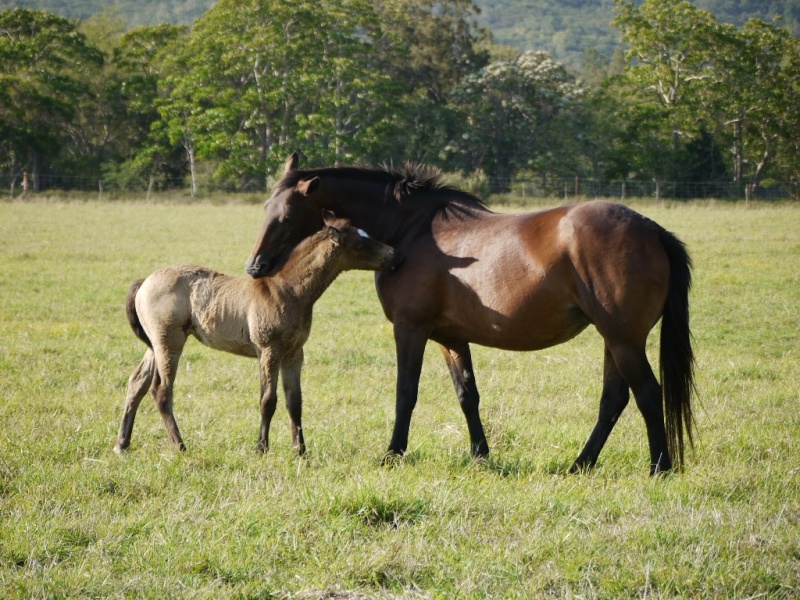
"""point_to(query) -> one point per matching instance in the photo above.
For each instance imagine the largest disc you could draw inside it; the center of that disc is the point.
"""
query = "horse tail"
(133, 316)
(677, 357)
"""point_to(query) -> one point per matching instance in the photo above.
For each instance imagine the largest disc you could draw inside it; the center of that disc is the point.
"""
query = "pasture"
(222, 521)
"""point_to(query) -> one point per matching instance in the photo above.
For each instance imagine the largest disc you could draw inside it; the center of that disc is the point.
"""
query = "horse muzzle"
(256, 268)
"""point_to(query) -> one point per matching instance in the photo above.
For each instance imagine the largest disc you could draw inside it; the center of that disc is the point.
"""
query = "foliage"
(568, 29)
(42, 58)
(508, 108)
(221, 104)
(222, 521)
(696, 75)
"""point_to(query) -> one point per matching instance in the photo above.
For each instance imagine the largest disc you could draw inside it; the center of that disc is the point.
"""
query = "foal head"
(356, 250)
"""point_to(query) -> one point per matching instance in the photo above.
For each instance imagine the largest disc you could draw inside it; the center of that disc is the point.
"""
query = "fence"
(574, 188)
(675, 190)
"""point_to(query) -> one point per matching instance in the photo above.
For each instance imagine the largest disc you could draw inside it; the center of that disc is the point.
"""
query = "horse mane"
(412, 181)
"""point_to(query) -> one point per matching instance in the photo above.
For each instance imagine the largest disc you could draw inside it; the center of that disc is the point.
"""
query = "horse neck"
(369, 205)
(310, 269)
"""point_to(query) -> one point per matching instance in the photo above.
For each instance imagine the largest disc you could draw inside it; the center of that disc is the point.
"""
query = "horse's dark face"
(289, 217)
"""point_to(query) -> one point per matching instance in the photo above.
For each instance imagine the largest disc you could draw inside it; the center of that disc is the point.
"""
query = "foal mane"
(412, 182)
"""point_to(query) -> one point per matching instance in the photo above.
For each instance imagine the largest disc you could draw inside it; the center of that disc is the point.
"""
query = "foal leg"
(632, 364)
(613, 401)
(410, 344)
(167, 359)
(459, 362)
(269, 367)
(138, 383)
(290, 375)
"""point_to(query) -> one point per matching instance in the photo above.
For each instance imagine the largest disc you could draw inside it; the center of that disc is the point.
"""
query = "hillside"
(564, 28)
(133, 12)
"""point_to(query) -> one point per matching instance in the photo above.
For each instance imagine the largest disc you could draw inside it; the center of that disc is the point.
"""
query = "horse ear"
(291, 164)
(307, 186)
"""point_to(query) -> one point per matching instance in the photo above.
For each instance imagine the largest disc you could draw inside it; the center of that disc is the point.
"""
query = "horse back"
(530, 281)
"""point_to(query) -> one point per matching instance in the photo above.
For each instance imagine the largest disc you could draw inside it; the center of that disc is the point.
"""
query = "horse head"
(290, 215)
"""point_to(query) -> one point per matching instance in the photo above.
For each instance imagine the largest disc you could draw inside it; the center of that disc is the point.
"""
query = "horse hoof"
(391, 459)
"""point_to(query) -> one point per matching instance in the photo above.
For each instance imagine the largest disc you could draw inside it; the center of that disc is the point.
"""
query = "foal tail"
(133, 316)
(677, 357)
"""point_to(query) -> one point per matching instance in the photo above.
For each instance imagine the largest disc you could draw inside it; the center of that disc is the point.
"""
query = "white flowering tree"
(509, 108)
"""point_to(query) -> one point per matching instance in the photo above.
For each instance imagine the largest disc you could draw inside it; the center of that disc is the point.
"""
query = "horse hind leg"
(459, 362)
(163, 384)
(613, 401)
(138, 383)
(634, 367)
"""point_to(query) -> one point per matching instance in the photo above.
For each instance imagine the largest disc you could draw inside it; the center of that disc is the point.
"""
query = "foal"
(267, 318)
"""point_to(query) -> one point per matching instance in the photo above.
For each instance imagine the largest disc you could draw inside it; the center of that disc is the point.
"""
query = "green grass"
(220, 521)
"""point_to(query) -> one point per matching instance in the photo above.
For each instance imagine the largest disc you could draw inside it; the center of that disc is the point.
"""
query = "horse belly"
(219, 319)
(227, 343)
(515, 312)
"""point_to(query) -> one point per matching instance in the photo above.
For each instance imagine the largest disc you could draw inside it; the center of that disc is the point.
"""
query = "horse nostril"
(253, 267)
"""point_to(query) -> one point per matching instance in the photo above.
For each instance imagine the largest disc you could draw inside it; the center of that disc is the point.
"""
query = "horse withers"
(509, 281)
(267, 318)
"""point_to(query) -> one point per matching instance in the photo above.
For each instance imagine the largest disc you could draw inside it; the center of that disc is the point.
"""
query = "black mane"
(411, 182)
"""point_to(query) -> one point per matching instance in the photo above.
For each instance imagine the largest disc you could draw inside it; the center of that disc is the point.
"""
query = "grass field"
(220, 521)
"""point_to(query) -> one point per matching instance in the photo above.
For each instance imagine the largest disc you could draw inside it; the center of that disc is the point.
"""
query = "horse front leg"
(268, 366)
(459, 362)
(410, 346)
(613, 401)
(290, 375)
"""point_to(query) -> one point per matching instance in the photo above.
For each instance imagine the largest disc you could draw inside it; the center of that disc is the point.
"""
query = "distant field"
(220, 521)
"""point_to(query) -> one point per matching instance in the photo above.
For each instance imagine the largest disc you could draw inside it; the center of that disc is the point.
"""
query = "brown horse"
(517, 282)
(269, 319)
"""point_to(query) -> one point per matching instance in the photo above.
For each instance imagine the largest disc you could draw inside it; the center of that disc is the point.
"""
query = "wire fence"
(574, 188)
(672, 190)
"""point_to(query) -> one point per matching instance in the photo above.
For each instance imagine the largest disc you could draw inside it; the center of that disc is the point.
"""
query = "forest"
(694, 103)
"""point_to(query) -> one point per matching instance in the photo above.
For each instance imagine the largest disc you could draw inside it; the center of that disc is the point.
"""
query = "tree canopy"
(223, 102)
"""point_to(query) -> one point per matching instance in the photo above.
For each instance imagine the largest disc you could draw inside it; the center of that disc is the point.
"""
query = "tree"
(711, 85)
(427, 48)
(42, 58)
(671, 58)
(755, 96)
(509, 109)
(139, 60)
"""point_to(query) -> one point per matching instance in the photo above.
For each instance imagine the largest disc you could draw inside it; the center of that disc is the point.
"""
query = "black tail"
(133, 316)
(677, 356)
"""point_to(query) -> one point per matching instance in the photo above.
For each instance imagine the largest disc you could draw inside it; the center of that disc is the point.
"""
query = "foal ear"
(331, 220)
(328, 217)
(291, 164)
(334, 234)
(307, 186)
